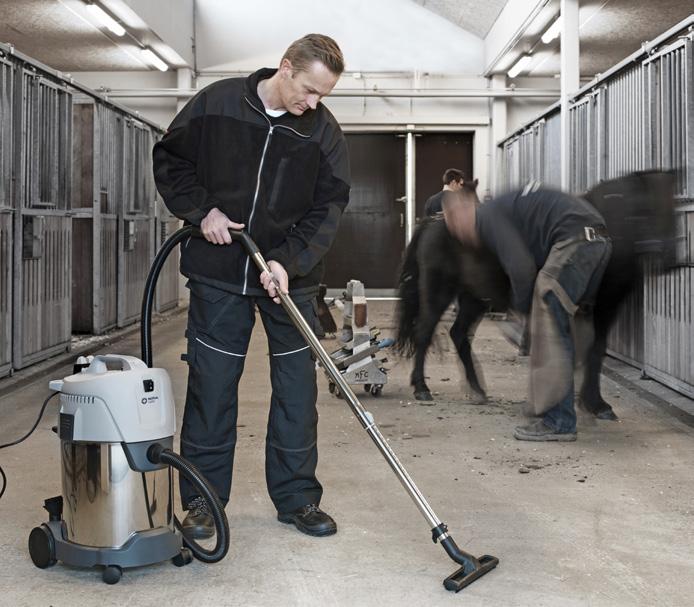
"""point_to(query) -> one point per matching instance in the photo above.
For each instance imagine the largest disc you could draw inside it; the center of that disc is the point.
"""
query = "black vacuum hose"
(150, 286)
(158, 454)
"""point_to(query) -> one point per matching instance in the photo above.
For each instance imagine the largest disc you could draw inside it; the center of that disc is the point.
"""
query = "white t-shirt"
(275, 113)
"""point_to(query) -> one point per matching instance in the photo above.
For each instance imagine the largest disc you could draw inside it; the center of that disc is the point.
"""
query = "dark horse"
(437, 269)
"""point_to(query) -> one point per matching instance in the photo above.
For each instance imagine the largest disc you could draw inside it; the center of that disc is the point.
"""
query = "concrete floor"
(607, 520)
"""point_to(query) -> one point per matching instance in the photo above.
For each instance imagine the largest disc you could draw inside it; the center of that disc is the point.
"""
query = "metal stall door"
(578, 138)
(136, 237)
(624, 140)
(107, 252)
(42, 233)
(84, 157)
(6, 215)
(526, 166)
(588, 138)
(668, 298)
(437, 152)
(511, 164)
(551, 144)
(625, 123)
(166, 295)
(371, 237)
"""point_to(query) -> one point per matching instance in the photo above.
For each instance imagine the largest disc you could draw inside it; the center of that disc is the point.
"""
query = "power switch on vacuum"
(148, 385)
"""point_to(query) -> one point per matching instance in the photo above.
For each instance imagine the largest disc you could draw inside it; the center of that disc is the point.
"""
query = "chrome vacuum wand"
(472, 567)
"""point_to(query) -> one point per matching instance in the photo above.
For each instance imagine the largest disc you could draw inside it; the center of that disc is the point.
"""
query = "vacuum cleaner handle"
(126, 363)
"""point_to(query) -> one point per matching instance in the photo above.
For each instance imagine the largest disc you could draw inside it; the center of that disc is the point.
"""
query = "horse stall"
(76, 211)
(636, 116)
(669, 336)
(6, 214)
(532, 153)
(114, 219)
(136, 238)
(42, 230)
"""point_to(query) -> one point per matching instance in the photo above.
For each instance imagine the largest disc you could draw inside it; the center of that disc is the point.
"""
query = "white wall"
(381, 35)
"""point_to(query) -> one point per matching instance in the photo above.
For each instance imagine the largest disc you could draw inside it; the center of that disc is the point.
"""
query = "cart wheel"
(42, 547)
(183, 558)
(331, 387)
(376, 390)
(338, 392)
(367, 388)
(112, 574)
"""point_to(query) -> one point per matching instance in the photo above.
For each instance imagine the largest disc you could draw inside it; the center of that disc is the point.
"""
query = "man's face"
(301, 90)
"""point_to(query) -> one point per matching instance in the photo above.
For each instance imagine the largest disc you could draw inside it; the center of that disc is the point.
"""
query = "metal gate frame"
(42, 231)
(7, 76)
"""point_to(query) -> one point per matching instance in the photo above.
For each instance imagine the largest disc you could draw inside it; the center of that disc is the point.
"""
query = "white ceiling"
(611, 30)
(472, 15)
(434, 35)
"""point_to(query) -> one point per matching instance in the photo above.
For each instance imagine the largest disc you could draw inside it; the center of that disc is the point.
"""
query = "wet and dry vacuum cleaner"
(116, 426)
(117, 504)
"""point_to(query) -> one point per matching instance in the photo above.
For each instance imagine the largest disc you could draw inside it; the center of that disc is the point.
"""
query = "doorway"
(436, 152)
(371, 237)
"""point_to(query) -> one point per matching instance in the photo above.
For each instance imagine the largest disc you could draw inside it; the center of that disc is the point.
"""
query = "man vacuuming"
(264, 155)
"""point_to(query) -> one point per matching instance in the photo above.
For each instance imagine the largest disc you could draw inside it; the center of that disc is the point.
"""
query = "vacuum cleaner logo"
(149, 400)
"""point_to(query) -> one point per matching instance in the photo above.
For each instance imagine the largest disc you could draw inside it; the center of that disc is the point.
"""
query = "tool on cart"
(358, 360)
(472, 567)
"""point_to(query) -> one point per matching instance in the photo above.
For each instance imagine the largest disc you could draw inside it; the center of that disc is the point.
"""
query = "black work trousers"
(219, 330)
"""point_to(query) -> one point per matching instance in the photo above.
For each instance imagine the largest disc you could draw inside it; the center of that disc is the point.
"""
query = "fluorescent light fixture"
(519, 66)
(149, 56)
(105, 19)
(553, 31)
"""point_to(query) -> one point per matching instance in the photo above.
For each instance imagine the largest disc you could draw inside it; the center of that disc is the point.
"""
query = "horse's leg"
(603, 317)
(435, 295)
(469, 312)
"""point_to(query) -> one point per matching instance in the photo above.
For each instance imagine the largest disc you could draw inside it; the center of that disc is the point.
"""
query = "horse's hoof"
(479, 399)
(423, 395)
(607, 414)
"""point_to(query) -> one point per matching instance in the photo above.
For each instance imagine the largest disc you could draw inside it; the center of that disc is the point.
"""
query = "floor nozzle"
(465, 575)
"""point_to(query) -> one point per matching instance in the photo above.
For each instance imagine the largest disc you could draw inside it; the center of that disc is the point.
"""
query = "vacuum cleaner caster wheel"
(42, 547)
(112, 574)
(184, 557)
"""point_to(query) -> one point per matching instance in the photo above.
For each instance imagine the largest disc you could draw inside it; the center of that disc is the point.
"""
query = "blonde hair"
(315, 47)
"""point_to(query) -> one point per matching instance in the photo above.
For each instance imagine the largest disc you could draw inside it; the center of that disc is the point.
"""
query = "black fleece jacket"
(286, 179)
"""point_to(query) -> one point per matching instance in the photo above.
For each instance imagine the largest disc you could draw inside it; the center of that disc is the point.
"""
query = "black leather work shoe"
(538, 431)
(310, 519)
(198, 524)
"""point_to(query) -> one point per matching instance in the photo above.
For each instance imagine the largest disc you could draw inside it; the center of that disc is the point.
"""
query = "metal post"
(569, 80)
(409, 184)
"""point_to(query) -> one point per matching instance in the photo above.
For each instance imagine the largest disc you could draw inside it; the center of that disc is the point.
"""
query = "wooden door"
(371, 237)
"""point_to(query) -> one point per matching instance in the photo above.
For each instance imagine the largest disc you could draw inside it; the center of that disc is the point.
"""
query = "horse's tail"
(407, 311)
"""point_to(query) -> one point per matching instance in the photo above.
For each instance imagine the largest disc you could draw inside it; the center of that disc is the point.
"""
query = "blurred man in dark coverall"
(554, 249)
